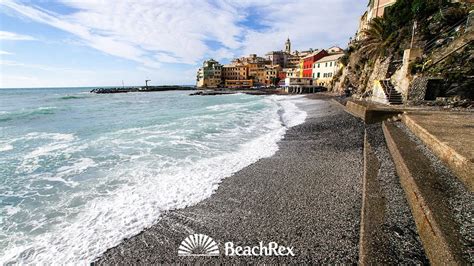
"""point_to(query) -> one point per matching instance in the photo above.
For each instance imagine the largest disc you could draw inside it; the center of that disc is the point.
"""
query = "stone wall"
(421, 86)
(417, 90)
(379, 72)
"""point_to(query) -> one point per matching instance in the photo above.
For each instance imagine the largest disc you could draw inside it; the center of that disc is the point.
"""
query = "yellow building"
(237, 84)
(235, 72)
(271, 74)
(209, 75)
(257, 73)
(292, 61)
(300, 67)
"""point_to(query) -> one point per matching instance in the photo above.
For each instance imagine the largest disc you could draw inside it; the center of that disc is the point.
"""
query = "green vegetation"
(377, 38)
(391, 34)
(437, 24)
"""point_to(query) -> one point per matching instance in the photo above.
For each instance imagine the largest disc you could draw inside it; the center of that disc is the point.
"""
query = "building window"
(319, 74)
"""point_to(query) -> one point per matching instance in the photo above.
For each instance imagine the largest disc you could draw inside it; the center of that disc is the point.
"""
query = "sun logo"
(198, 245)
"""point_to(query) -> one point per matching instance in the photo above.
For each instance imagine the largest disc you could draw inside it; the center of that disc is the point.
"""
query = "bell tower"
(288, 45)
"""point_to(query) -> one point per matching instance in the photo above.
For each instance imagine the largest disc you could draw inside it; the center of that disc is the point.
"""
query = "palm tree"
(377, 38)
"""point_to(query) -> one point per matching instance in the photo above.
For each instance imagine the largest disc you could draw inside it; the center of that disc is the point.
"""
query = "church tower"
(288, 46)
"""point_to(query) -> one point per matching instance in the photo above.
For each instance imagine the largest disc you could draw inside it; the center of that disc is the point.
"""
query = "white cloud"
(11, 36)
(5, 53)
(159, 32)
(309, 24)
(171, 31)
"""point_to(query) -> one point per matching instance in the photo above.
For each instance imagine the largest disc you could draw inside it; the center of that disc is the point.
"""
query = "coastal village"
(303, 70)
(381, 63)
(408, 74)
(294, 71)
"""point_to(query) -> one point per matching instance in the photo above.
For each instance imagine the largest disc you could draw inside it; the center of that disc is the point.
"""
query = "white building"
(292, 72)
(300, 85)
(289, 82)
(325, 69)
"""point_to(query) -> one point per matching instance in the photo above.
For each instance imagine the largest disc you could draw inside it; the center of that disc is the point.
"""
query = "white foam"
(58, 178)
(53, 136)
(292, 115)
(56, 143)
(77, 167)
(149, 191)
(5, 147)
(228, 106)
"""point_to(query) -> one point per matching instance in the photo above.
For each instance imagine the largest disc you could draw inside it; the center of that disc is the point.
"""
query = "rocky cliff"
(442, 49)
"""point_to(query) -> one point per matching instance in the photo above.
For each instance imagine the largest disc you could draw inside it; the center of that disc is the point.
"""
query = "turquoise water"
(79, 172)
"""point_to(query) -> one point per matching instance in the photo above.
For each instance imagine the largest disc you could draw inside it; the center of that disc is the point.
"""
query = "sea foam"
(133, 193)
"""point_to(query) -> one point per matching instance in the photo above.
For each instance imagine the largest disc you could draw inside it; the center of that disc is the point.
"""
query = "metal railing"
(449, 32)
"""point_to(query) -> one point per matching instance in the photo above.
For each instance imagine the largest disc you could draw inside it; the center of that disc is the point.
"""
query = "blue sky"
(100, 43)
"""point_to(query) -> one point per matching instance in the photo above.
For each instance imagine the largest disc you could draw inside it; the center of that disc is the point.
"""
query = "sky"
(74, 43)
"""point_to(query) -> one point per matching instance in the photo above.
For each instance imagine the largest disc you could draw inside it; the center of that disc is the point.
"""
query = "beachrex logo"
(198, 245)
(272, 249)
(202, 245)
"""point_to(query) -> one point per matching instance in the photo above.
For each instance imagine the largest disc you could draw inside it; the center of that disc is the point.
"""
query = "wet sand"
(307, 196)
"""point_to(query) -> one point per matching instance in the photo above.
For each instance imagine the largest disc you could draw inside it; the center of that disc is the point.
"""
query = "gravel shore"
(394, 238)
(307, 196)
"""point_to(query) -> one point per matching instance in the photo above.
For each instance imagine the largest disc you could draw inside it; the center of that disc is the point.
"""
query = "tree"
(377, 38)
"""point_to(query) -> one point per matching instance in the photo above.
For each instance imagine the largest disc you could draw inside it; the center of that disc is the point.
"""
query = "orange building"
(271, 74)
(237, 84)
(257, 73)
(235, 72)
(377, 8)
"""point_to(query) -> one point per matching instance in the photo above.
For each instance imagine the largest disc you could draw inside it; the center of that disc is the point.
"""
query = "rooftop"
(329, 58)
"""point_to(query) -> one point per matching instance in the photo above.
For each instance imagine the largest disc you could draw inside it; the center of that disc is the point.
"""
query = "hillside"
(439, 65)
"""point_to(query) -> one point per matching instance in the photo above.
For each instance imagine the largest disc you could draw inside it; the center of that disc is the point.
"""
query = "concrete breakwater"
(140, 89)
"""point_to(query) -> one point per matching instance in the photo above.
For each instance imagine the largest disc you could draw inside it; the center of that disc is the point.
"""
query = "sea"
(79, 172)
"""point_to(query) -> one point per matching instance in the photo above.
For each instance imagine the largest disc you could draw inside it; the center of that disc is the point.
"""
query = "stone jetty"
(140, 89)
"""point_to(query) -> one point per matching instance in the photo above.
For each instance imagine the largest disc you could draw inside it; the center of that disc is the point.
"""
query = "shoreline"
(312, 204)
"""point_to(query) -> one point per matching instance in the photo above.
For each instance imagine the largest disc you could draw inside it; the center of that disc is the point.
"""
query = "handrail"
(448, 54)
(431, 44)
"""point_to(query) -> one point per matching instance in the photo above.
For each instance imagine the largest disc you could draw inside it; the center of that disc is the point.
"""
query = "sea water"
(79, 172)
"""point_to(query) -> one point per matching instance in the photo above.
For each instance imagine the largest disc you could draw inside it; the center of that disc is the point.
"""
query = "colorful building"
(376, 8)
(209, 75)
(256, 67)
(237, 84)
(252, 70)
(325, 69)
(309, 60)
(257, 73)
(235, 72)
(298, 82)
(280, 57)
(271, 74)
